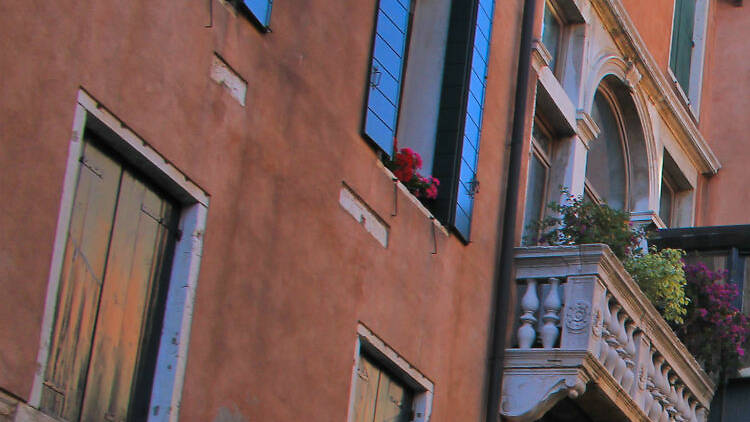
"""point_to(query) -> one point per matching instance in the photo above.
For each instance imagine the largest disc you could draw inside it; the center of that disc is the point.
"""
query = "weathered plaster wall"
(724, 117)
(286, 272)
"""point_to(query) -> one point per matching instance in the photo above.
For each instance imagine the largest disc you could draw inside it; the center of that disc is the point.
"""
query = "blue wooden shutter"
(261, 9)
(473, 119)
(388, 50)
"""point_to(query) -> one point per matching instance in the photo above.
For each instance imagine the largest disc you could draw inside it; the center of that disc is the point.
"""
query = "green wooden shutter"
(682, 42)
(388, 50)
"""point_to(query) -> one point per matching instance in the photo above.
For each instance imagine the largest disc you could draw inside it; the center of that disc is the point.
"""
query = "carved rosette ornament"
(578, 316)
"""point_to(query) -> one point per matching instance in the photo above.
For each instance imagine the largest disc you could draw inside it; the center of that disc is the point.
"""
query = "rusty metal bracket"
(210, 14)
(395, 197)
(434, 236)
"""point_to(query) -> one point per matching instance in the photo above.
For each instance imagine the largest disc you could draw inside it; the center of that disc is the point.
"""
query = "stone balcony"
(587, 332)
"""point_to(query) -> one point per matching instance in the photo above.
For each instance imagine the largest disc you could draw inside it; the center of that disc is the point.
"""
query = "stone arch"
(620, 80)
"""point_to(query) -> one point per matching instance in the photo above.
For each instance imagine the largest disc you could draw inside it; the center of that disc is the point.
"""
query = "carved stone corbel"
(527, 399)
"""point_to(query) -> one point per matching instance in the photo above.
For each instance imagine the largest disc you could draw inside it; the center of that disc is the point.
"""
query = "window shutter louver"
(473, 119)
(389, 46)
(682, 42)
(261, 9)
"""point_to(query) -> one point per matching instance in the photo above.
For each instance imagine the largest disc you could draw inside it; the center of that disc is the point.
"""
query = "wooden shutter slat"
(473, 119)
(137, 246)
(80, 283)
(365, 391)
(389, 47)
(682, 42)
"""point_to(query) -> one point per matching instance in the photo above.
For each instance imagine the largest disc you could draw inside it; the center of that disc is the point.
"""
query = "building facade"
(206, 222)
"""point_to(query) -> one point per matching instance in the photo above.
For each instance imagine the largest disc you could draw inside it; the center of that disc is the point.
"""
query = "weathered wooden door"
(111, 294)
(378, 396)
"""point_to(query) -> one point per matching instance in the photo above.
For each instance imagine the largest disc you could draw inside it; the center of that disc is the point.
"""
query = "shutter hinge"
(474, 186)
(375, 77)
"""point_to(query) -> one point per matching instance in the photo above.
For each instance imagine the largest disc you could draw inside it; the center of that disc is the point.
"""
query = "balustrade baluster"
(529, 308)
(603, 347)
(552, 304)
(655, 378)
(622, 340)
(629, 358)
(612, 357)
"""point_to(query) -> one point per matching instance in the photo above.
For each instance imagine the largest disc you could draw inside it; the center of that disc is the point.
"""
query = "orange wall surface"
(286, 273)
(725, 118)
(653, 19)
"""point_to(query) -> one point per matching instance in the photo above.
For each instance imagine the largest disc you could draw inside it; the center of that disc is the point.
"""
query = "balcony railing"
(584, 324)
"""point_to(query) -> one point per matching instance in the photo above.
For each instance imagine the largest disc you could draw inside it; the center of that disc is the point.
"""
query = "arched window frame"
(589, 191)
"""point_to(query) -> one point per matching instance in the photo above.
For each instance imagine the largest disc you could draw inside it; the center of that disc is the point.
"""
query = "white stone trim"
(224, 75)
(364, 215)
(185, 264)
(422, 404)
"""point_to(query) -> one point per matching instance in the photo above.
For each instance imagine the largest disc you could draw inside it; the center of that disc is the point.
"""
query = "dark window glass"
(551, 30)
(606, 165)
(534, 197)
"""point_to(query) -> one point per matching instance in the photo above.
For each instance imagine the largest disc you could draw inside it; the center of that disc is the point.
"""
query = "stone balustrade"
(585, 325)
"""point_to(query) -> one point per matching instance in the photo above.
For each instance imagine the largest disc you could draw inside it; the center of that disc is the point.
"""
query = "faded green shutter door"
(394, 401)
(139, 239)
(365, 391)
(117, 242)
(80, 283)
(682, 42)
(378, 396)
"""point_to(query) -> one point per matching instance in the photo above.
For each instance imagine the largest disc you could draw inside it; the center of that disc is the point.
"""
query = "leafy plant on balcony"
(580, 221)
(715, 331)
(662, 279)
(658, 273)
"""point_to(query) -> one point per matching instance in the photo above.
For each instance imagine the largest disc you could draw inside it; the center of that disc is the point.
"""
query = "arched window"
(607, 162)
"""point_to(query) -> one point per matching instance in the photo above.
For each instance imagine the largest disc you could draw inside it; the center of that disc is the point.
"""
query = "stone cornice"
(655, 83)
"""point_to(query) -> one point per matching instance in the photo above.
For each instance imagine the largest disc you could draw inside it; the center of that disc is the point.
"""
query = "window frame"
(456, 151)
(558, 59)
(545, 158)
(388, 360)
(666, 181)
(616, 110)
(171, 358)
